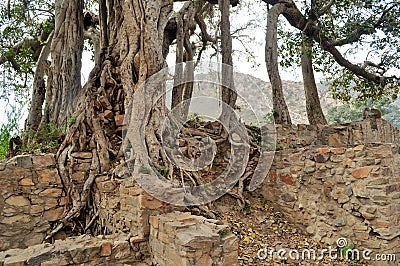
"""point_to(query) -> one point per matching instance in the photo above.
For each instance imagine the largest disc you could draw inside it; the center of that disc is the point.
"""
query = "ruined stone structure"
(32, 200)
(340, 182)
(331, 181)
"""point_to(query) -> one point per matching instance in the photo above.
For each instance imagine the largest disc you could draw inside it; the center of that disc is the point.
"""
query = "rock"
(362, 172)
(18, 201)
(26, 182)
(24, 161)
(49, 176)
(121, 171)
(334, 140)
(324, 150)
(54, 214)
(151, 203)
(43, 161)
(22, 218)
(107, 186)
(360, 190)
(108, 114)
(205, 260)
(339, 222)
(106, 249)
(119, 120)
(36, 209)
(368, 216)
(310, 230)
(82, 155)
(78, 177)
(51, 192)
(338, 150)
(288, 197)
(319, 158)
(343, 199)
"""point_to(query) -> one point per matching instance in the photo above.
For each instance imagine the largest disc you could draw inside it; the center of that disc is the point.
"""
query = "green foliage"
(22, 22)
(347, 113)
(347, 248)
(195, 119)
(9, 129)
(344, 114)
(164, 170)
(48, 139)
(270, 117)
(378, 25)
(246, 209)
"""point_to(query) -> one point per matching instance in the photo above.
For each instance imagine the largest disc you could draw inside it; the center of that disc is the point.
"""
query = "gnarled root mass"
(97, 128)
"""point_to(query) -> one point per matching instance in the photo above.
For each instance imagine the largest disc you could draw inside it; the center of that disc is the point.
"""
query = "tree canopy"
(355, 45)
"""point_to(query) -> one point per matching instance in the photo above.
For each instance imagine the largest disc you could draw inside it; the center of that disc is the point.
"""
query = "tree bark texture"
(281, 111)
(184, 68)
(131, 52)
(228, 87)
(313, 105)
(39, 90)
(66, 54)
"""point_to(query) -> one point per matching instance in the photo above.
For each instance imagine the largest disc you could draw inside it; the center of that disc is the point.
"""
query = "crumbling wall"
(346, 188)
(188, 240)
(31, 198)
(115, 250)
(367, 131)
(332, 181)
(125, 207)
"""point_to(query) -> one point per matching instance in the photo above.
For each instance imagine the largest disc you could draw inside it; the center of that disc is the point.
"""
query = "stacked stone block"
(110, 250)
(183, 239)
(340, 192)
(31, 197)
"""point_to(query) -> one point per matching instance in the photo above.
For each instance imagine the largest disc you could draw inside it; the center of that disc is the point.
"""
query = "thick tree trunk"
(132, 47)
(313, 105)
(228, 87)
(66, 54)
(177, 91)
(39, 91)
(281, 112)
(184, 68)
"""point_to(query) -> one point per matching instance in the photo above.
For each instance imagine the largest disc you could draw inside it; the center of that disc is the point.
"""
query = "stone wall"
(31, 197)
(125, 207)
(184, 239)
(331, 192)
(350, 134)
(332, 181)
(115, 250)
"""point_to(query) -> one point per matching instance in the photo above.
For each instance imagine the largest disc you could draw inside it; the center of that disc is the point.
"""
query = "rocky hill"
(255, 98)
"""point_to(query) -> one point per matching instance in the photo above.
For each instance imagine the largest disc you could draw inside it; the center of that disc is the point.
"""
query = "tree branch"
(35, 45)
(363, 29)
(214, 2)
(325, 8)
(310, 29)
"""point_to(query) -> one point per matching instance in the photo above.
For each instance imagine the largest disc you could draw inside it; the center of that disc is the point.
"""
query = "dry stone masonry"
(345, 186)
(31, 197)
(354, 133)
(184, 239)
(110, 250)
(332, 181)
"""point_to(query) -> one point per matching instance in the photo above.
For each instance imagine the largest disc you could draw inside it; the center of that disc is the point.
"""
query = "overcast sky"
(255, 43)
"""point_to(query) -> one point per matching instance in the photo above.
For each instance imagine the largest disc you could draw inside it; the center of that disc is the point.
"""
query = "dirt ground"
(260, 225)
